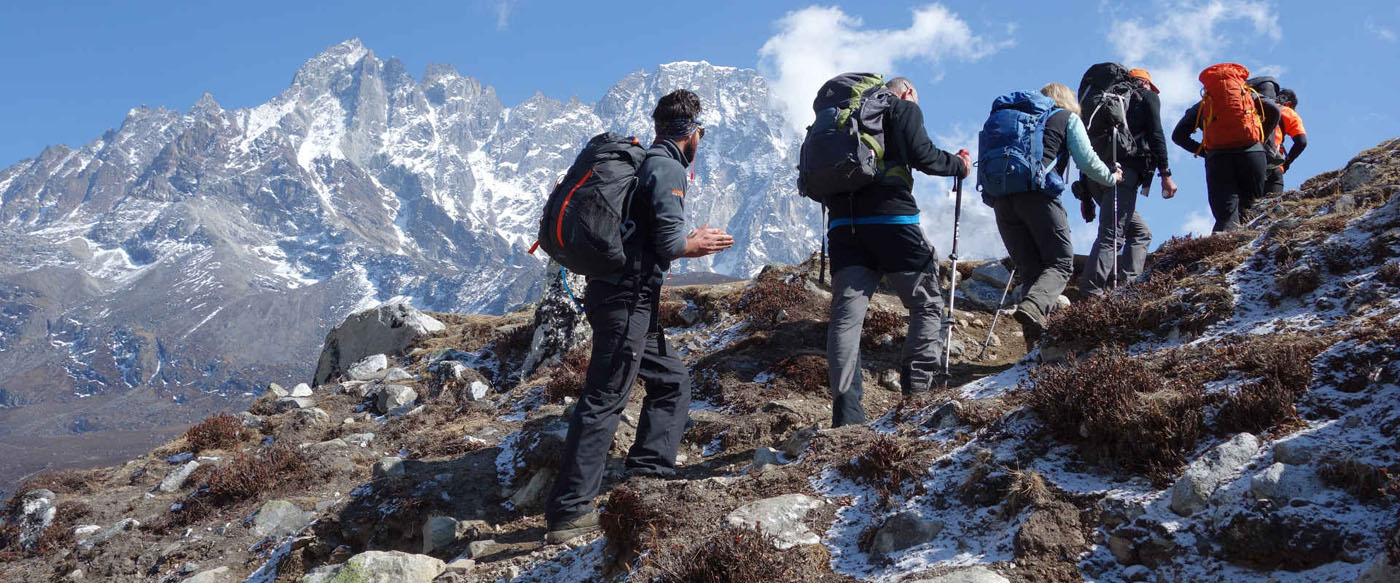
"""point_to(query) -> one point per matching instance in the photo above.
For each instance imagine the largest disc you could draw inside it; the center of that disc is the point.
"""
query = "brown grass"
(1367, 482)
(741, 555)
(805, 373)
(1132, 313)
(246, 476)
(1028, 488)
(1187, 251)
(629, 522)
(887, 463)
(1389, 273)
(880, 322)
(567, 379)
(768, 299)
(219, 431)
(1121, 408)
(60, 482)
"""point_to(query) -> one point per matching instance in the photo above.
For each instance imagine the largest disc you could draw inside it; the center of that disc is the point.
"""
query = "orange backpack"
(1231, 112)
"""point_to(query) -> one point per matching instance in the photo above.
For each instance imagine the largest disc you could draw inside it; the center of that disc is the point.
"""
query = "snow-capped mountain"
(206, 252)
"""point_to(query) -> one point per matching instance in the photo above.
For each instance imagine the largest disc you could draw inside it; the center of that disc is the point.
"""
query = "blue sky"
(73, 69)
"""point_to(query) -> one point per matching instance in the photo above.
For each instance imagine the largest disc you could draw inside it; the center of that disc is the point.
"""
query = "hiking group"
(617, 217)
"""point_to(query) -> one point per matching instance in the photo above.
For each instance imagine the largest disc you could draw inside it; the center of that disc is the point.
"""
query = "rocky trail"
(1233, 417)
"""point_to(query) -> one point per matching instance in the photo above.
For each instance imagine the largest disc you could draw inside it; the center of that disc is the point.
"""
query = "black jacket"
(1145, 111)
(1190, 122)
(658, 211)
(907, 146)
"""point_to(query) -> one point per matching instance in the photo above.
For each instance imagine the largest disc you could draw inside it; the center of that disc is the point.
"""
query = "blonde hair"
(1064, 98)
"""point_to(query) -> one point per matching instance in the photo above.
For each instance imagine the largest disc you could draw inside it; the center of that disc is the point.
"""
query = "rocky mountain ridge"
(1231, 417)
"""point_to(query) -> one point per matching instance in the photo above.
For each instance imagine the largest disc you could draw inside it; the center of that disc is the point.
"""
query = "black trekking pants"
(1234, 181)
(627, 342)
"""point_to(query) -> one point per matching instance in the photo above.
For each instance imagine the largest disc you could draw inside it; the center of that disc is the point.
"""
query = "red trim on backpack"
(559, 227)
(534, 247)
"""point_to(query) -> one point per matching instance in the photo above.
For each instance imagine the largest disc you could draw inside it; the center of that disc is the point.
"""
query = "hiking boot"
(1030, 326)
(586, 523)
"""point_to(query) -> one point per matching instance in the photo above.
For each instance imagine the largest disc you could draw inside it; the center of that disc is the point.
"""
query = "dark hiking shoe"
(1030, 326)
(650, 473)
(586, 523)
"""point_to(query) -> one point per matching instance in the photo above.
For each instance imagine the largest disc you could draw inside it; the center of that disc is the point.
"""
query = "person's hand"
(1283, 169)
(1118, 176)
(967, 162)
(706, 241)
(1087, 209)
(1168, 187)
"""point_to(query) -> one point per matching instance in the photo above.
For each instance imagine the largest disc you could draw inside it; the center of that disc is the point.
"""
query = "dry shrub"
(59, 534)
(568, 378)
(246, 476)
(1389, 273)
(1189, 250)
(1120, 317)
(740, 555)
(440, 444)
(220, 431)
(880, 322)
(1367, 482)
(1028, 488)
(1268, 403)
(886, 464)
(769, 298)
(60, 482)
(1121, 408)
(669, 314)
(1299, 281)
(806, 373)
(629, 522)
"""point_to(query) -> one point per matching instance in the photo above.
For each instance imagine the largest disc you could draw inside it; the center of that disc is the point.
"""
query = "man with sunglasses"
(875, 233)
(627, 340)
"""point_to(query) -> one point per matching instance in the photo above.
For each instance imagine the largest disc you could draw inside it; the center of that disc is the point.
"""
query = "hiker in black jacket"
(1133, 237)
(627, 340)
(1234, 177)
(875, 233)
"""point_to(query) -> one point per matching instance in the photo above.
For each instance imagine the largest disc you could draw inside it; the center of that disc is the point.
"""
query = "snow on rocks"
(780, 517)
(1193, 490)
(380, 567)
(1283, 483)
(387, 329)
(969, 575)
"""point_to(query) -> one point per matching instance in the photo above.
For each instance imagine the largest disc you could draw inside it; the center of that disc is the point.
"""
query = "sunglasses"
(700, 130)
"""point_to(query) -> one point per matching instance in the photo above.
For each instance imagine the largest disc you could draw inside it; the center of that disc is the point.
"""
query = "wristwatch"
(1165, 172)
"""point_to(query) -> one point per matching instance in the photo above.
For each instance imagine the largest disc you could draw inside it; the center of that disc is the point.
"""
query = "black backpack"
(845, 147)
(1267, 87)
(585, 218)
(1105, 93)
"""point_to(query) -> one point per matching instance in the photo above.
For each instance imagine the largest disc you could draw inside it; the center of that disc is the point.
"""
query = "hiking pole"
(953, 273)
(997, 315)
(1113, 153)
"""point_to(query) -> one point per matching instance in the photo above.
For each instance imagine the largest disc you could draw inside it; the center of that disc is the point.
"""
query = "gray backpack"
(845, 147)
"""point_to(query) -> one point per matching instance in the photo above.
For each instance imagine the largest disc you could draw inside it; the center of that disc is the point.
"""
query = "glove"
(1087, 208)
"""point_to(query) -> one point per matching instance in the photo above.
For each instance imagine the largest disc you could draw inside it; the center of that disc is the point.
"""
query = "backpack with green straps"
(845, 147)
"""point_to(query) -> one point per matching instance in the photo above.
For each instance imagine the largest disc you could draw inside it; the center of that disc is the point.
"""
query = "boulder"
(387, 329)
(992, 273)
(396, 374)
(369, 368)
(277, 391)
(978, 294)
(388, 468)
(969, 575)
(439, 532)
(480, 548)
(279, 518)
(1357, 175)
(33, 514)
(781, 517)
(219, 575)
(558, 325)
(532, 495)
(289, 403)
(1282, 483)
(1297, 450)
(947, 415)
(766, 456)
(1193, 490)
(393, 397)
(379, 567)
(903, 531)
(301, 390)
(176, 479)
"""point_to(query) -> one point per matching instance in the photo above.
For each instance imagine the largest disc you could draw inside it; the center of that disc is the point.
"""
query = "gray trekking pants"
(1035, 230)
(1133, 236)
(922, 360)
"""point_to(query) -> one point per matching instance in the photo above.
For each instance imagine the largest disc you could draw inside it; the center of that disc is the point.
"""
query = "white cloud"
(1380, 32)
(978, 237)
(1198, 224)
(1185, 36)
(817, 43)
(502, 9)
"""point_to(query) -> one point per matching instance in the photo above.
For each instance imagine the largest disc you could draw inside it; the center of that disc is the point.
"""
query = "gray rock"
(219, 575)
(558, 325)
(279, 518)
(766, 456)
(1137, 573)
(531, 496)
(357, 389)
(393, 397)
(978, 294)
(690, 314)
(461, 566)
(1344, 204)
(359, 439)
(379, 567)
(780, 517)
(301, 390)
(796, 444)
(180, 458)
(439, 532)
(277, 391)
(289, 403)
(312, 417)
(176, 479)
(1381, 570)
(369, 368)
(396, 374)
(969, 575)
(1296, 450)
(947, 415)
(250, 420)
(903, 531)
(34, 513)
(122, 526)
(1357, 175)
(388, 468)
(1193, 490)
(387, 329)
(1282, 483)
(480, 548)
(992, 273)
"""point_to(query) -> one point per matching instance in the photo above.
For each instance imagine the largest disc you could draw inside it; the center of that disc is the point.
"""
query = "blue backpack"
(1011, 146)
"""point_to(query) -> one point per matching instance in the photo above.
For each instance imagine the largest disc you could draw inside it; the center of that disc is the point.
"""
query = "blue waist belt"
(877, 220)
